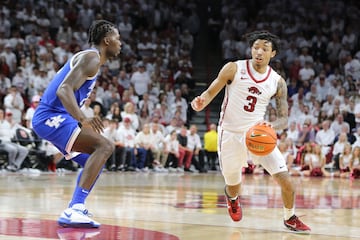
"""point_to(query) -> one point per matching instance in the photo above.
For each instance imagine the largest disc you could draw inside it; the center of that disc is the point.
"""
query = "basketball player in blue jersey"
(58, 118)
(249, 86)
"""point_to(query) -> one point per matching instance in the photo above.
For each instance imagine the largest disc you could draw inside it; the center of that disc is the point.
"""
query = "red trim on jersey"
(220, 140)
(252, 77)
(224, 105)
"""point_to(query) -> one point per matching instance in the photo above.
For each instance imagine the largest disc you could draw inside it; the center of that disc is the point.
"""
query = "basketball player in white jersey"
(249, 86)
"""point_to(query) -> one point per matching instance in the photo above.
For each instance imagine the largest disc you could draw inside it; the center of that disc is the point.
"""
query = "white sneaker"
(157, 169)
(179, 169)
(77, 217)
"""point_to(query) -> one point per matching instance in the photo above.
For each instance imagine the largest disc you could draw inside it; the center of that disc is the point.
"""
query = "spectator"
(357, 137)
(16, 152)
(172, 149)
(10, 58)
(348, 117)
(124, 79)
(129, 112)
(338, 124)
(98, 113)
(144, 149)
(5, 84)
(146, 103)
(322, 86)
(344, 161)
(185, 154)
(352, 67)
(357, 114)
(126, 138)
(164, 113)
(133, 96)
(114, 113)
(86, 109)
(317, 163)
(328, 105)
(20, 81)
(355, 162)
(159, 147)
(338, 148)
(307, 133)
(194, 144)
(110, 132)
(210, 146)
(325, 137)
(141, 80)
(307, 72)
(30, 111)
(14, 103)
(125, 27)
(172, 126)
(179, 103)
(36, 83)
(305, 158)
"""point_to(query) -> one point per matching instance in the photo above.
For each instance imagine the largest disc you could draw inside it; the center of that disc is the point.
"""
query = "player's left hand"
(95, 123)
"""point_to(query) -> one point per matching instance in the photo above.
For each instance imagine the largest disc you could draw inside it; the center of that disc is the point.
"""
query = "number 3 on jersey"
(251, 104)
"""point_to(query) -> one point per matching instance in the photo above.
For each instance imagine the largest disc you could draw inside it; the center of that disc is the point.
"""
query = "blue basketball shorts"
(58, 127)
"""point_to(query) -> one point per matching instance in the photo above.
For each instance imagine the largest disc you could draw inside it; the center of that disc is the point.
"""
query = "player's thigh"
(88, 141)
(232, 152)
(274, 162)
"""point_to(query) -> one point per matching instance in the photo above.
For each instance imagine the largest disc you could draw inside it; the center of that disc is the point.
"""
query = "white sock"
(288, 213)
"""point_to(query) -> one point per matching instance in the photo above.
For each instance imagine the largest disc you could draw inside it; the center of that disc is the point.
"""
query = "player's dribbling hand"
(197, 103)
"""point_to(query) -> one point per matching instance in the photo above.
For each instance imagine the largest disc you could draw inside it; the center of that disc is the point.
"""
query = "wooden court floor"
(171, 206)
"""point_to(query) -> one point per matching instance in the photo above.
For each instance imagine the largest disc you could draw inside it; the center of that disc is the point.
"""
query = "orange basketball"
(261, 139)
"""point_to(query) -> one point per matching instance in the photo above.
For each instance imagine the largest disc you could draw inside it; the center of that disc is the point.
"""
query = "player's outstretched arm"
(225, 75)
(281, 106)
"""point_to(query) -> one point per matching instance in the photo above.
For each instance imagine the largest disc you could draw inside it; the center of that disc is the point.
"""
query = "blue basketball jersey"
(49, 97)
(51, 120)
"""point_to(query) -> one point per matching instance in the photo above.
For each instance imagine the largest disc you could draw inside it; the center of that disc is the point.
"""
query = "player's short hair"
(98, 30)
(264, 35)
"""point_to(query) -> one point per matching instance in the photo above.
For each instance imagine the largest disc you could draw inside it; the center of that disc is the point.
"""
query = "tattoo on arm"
(281, 106)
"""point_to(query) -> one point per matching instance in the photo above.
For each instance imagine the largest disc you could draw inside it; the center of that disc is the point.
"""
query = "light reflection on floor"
(49, 229)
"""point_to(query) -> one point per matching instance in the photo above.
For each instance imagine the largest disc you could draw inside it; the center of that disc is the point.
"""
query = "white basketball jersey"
(247, 97)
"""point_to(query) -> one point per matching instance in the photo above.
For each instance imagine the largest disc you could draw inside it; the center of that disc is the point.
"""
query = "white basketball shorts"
(234, 155)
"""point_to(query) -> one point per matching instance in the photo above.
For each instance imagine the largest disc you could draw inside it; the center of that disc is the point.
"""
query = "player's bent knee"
(107, 147)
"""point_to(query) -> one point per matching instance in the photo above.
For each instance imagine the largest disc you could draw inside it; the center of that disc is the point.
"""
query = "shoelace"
(85, 212)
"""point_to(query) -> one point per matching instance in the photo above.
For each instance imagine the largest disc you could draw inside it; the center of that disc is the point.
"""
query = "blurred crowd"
(150, 85)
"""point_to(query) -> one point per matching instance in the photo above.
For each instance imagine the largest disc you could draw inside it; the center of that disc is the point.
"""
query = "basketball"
(261, 139)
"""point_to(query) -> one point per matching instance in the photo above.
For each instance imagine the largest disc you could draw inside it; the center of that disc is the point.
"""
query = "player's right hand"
(198, 103)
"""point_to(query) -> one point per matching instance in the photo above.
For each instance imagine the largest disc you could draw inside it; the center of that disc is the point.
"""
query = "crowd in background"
(145, 93)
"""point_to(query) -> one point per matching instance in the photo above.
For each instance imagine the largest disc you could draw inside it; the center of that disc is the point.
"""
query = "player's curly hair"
(98, 31)
(264, 35)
